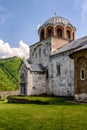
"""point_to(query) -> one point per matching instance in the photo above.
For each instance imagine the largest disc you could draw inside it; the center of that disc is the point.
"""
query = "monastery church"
(57, 64)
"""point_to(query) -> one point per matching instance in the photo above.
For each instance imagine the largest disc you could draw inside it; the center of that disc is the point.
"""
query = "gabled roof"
(33, 67)
(72, 45)
(26, 63)
(77, 50)
(36, 68)
(81, 48)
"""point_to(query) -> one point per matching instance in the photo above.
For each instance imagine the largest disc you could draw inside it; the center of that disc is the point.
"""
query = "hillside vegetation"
(9, 75)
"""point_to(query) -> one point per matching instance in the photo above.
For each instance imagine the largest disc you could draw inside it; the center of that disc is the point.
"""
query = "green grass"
(44, 99)
(55, 116)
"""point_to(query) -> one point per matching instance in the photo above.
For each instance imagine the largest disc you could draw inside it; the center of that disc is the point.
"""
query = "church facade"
(50, 67)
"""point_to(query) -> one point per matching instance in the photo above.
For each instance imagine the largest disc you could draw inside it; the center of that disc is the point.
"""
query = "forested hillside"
(9, 73)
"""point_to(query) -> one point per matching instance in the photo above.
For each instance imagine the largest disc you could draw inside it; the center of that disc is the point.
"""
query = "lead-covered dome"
(57, 20)
(57, 26)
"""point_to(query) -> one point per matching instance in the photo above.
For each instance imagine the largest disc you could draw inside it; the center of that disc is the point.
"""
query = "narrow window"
(82, 74)
(40, 52)
(68, 34)
(59, 33)
(44, 52)
(42, 35)
(49, 33)
(73, 36)
(36, 55)
(58, 69)
(47, 75)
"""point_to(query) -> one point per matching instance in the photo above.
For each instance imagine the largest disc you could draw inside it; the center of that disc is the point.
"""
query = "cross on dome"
(55, 14)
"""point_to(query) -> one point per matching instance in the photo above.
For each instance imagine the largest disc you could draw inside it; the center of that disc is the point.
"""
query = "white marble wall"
(23, 78)
(37, 84)
(43, 58)
(59, 85)
(63, 84)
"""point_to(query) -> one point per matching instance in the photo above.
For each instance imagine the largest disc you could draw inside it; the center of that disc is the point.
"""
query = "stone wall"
(23, 79)
(51, 82)
(80, 60)
(38, 84)
(5, 94)
(39, 52)
(61, 84)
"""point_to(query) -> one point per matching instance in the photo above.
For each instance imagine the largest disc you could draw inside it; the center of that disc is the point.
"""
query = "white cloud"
(77, 4)
(84, 9)
(6, 51)
(3, 15)
(81, 6)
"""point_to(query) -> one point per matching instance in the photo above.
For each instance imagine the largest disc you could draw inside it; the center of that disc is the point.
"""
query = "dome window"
(49, 33)
(68, 34)
(73, 36)
(42, 35)
(59, 33)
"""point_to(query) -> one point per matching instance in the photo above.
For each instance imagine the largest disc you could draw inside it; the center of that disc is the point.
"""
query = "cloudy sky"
(19, 20)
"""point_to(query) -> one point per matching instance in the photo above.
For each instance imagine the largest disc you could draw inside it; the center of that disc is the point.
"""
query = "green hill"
(9, 73)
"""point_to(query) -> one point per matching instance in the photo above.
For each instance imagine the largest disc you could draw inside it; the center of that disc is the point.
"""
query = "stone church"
(57, 64)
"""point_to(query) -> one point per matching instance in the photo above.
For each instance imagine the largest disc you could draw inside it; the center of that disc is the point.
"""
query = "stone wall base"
(81, 97)
(5, 94)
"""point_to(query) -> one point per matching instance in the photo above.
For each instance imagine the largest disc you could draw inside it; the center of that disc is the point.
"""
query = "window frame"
(68, 33)
(59, 31)
(50, 33)
(82, 74)
(42, 36)
(58, 68)
(39, 52)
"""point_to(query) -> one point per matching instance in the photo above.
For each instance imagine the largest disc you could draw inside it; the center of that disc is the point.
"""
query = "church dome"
(57, 20)
(57, 26)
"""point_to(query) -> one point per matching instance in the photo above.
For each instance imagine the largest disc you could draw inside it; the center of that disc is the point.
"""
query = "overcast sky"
(19, 20)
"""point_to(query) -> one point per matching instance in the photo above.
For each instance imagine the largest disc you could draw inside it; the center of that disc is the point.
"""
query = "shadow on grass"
(42, 100)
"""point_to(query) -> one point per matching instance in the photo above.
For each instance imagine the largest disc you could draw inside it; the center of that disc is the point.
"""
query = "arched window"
(68, 34)
(73, 36)
(42, 35)
(49, 33)
(82, 74)
(59, 32)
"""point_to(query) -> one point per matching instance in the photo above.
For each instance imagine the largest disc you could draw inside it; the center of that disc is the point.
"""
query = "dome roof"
(57, 20)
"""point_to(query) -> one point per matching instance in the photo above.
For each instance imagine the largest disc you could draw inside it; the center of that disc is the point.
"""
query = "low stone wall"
(5, 94)
(81, 97)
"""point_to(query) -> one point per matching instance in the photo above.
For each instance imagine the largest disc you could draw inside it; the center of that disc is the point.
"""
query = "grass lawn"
(58, 115)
